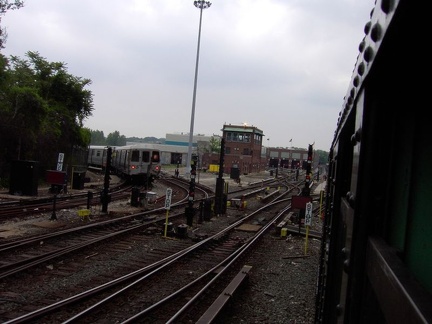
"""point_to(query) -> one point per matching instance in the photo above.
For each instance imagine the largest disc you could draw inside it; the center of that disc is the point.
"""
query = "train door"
(145, 162)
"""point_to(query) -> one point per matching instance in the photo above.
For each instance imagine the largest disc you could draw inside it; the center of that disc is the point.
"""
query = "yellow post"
(306, 243)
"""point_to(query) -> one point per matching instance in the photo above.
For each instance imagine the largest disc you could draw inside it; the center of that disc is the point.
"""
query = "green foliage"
(115, 139)
(42, 110)
(323, 156)
(215, 144)
(85, 135)
(97, 137)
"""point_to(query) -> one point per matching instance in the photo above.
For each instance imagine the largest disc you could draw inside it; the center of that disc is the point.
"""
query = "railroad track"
(145, 254)
(23, 207)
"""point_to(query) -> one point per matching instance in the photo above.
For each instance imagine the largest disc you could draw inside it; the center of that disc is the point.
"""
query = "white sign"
(60, 162)
(308, 214)
(168, 198)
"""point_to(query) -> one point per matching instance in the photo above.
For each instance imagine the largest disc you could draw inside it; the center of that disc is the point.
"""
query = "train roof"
(139, 146)
(158, 147)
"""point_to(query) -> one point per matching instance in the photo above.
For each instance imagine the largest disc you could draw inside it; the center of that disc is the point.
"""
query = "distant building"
(243, 144)
(244, 151)
(183, 139)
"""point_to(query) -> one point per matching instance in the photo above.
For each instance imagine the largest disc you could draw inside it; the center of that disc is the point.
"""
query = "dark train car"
(274, 163)
(377, 244)
(284, 163)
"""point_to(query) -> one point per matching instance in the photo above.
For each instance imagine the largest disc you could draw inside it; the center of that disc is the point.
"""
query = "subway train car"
(97, 156)
(376, 255)
(136, 163)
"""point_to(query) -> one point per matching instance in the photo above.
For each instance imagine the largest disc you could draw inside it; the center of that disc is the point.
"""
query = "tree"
(4, 7)
(215, 143)
(97, 137)
(115, 139)
(322, 156)
(42, 110)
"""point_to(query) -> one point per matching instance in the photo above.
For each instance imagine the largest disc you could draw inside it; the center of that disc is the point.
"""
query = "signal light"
(191, 195)
(133, 167)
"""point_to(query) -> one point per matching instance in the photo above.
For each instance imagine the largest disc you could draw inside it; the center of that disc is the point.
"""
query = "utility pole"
(200, 5)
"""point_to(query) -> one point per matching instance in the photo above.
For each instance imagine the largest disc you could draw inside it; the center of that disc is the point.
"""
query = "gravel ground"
(281, 285)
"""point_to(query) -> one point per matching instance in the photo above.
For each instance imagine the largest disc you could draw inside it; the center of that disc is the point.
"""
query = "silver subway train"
(137, 163)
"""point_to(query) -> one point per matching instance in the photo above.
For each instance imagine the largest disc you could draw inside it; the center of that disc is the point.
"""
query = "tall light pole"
(200, 5)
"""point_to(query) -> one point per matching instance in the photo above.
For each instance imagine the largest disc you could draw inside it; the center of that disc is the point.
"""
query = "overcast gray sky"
(280, 65)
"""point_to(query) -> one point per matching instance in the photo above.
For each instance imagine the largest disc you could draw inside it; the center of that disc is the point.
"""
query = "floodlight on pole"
(200, 5)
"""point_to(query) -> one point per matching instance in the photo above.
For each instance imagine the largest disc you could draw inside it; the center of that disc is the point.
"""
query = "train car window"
(146, 156)
(125, 158)
(155, 156)
(135, 156)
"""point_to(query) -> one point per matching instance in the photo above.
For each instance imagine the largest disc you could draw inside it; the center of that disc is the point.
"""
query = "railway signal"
(220, 207)
(306, 189)
(189, 211)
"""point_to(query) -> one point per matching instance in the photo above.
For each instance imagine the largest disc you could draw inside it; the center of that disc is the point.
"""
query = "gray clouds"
(282, 66)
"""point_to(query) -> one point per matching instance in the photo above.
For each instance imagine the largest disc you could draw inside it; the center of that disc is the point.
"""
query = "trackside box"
(56, 177)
